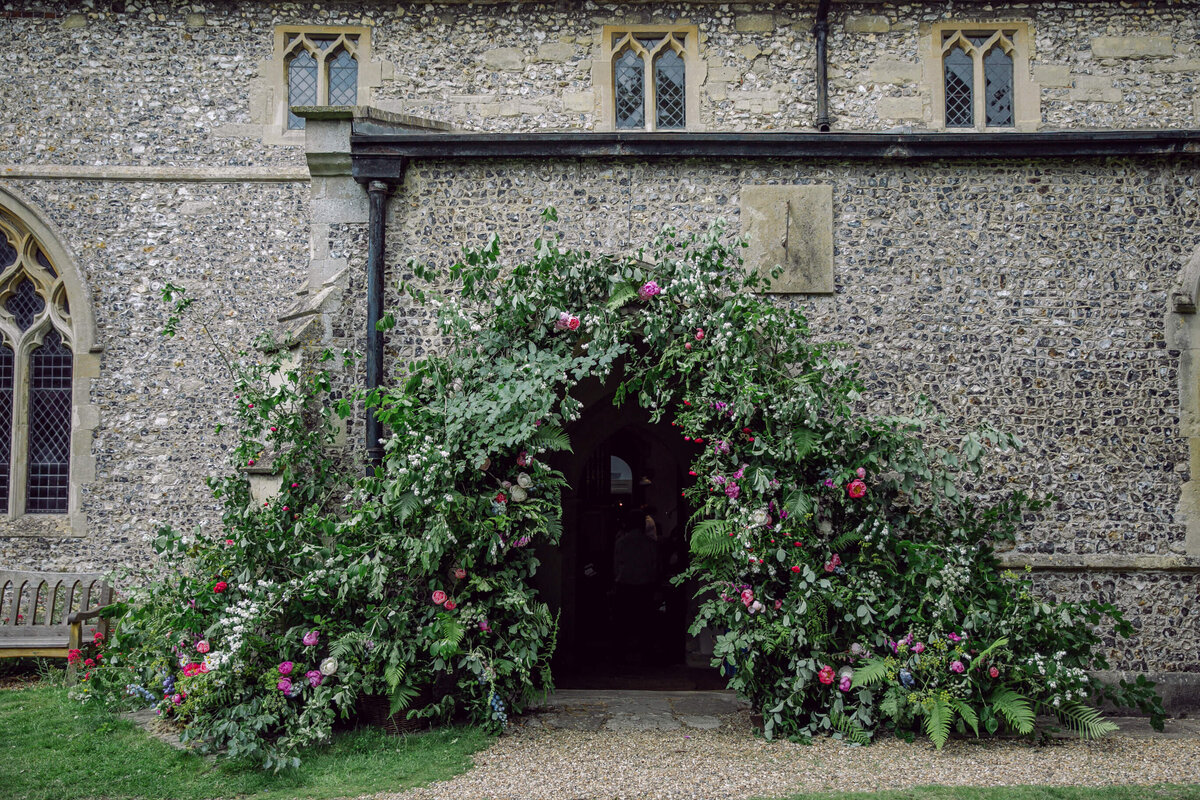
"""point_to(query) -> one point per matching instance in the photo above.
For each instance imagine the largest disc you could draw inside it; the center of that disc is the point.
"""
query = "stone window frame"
(274, 100)
(78, 331)
(1027, 111)
(603, 77)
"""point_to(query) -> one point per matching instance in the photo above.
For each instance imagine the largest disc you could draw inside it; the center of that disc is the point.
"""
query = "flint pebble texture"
(1029, 295)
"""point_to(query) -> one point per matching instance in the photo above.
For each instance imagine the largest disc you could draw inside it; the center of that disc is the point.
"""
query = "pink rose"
(439, 597)
(523, 459)
(573, 324)
(284, 685)
(856, 489)
(957, 666)
(747, 597)
(483, 626)
(995, 673)
(778, 604)
(451, 605)
(202, 646)
(176, 699)
(845, 684)
(203, 669)
(918, 648)
(860, 472)
(699, 334)
(460, 573)
(648, 290)
(285, 667)
(311, 638)
(836, 560)
(314, 677)
(829, 566)
(826, 675)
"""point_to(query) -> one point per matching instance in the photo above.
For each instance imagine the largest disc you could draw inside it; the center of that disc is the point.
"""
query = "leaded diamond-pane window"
(302, 87)
(959, 79)
(48, 485)
(670, 99)
(6, 411)
(629, 80)
(998, 75)
(650, 73)
(978, 73)
(8, 253)
(322, 69)
(36, 368)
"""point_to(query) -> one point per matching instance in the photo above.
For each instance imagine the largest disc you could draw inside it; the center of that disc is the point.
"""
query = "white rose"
(329, 666)
(518, 494)
(524, 481)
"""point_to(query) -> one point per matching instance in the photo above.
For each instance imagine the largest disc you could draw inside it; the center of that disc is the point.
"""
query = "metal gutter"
(379, 153)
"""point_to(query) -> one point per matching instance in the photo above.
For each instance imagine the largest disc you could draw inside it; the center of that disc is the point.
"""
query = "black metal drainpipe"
(821, 31)
(377, 193)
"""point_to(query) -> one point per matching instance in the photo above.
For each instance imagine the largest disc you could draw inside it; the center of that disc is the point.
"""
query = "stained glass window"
(50, 367)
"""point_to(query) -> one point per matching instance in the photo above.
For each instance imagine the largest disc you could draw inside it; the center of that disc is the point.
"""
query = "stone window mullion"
(978, 95)
(20, 428)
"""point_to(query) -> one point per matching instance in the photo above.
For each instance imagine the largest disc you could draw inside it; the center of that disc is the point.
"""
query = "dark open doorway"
(622, 624)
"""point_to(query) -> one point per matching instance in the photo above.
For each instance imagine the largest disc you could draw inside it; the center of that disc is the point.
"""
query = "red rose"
(573, 323)
(856, 488)
(460, 573)
(87, 662)
(451, 605)
(220, 587)
(826, 675)
(500, 498)
(796, 569)
(439, 597)
(995, 673)
(74, 656)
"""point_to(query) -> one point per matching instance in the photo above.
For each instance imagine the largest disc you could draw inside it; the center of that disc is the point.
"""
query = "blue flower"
(906, 679)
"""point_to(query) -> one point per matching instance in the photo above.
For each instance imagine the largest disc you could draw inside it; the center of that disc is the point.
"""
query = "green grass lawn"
(1015, 793)
(52, 748)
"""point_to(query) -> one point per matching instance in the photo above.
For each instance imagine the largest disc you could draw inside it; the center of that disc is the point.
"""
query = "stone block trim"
(1132, 46)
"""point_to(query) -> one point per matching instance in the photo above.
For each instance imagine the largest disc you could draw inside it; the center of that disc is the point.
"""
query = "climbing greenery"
(845, 570)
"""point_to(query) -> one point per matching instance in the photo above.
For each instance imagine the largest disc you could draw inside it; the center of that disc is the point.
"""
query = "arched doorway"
(621, 622)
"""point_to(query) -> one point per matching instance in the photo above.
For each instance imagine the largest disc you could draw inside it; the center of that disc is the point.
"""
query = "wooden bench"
(42, 613)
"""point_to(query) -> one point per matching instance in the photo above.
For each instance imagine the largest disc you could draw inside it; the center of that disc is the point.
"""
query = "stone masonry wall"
(163, 83)
(160, 399)
(1026, 295)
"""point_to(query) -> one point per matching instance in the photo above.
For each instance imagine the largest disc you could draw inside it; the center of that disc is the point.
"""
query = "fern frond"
(798, 503)
(551, 437)
(850, 729)
(711, 538)
(937, 722)
(406, 506)
(890, 705)
(1085, 720)
(1014, 708)
(621, 294)
(870, 673)
(393, 675)
(400, 697)
(803, 441)
(846, 539)
(967, 713)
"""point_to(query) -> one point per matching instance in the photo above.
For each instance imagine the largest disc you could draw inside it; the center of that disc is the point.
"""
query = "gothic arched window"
(36, 372)
(652, 81)
(322, 70)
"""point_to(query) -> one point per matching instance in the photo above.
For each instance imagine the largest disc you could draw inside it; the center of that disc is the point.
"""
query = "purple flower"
(954, 637)
(957, 666)
(721, 448)
(918, 648)
(483, 626)
(845, 684)
(284, 685)
(314, 677)
(829, 483)
(648, 290)
(523, 541)
(311, 638)
(732, 490)
(286, 667)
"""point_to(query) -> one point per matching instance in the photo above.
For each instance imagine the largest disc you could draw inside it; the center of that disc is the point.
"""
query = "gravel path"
(535, 763)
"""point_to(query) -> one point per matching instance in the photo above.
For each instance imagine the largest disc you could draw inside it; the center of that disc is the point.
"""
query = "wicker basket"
(373, 711)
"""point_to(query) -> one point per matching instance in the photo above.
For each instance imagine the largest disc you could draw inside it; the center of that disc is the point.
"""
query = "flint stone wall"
(192, 84)
(1026, 295)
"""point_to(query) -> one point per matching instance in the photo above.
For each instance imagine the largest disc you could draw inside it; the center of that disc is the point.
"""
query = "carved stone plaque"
(790, 227)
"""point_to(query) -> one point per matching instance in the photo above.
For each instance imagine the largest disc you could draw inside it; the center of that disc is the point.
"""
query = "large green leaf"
(1015, 709)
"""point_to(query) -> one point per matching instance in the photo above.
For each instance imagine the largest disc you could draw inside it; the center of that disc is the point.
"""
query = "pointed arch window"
(322, 69)
(653, 78)
(36, 374)
(979, 76)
